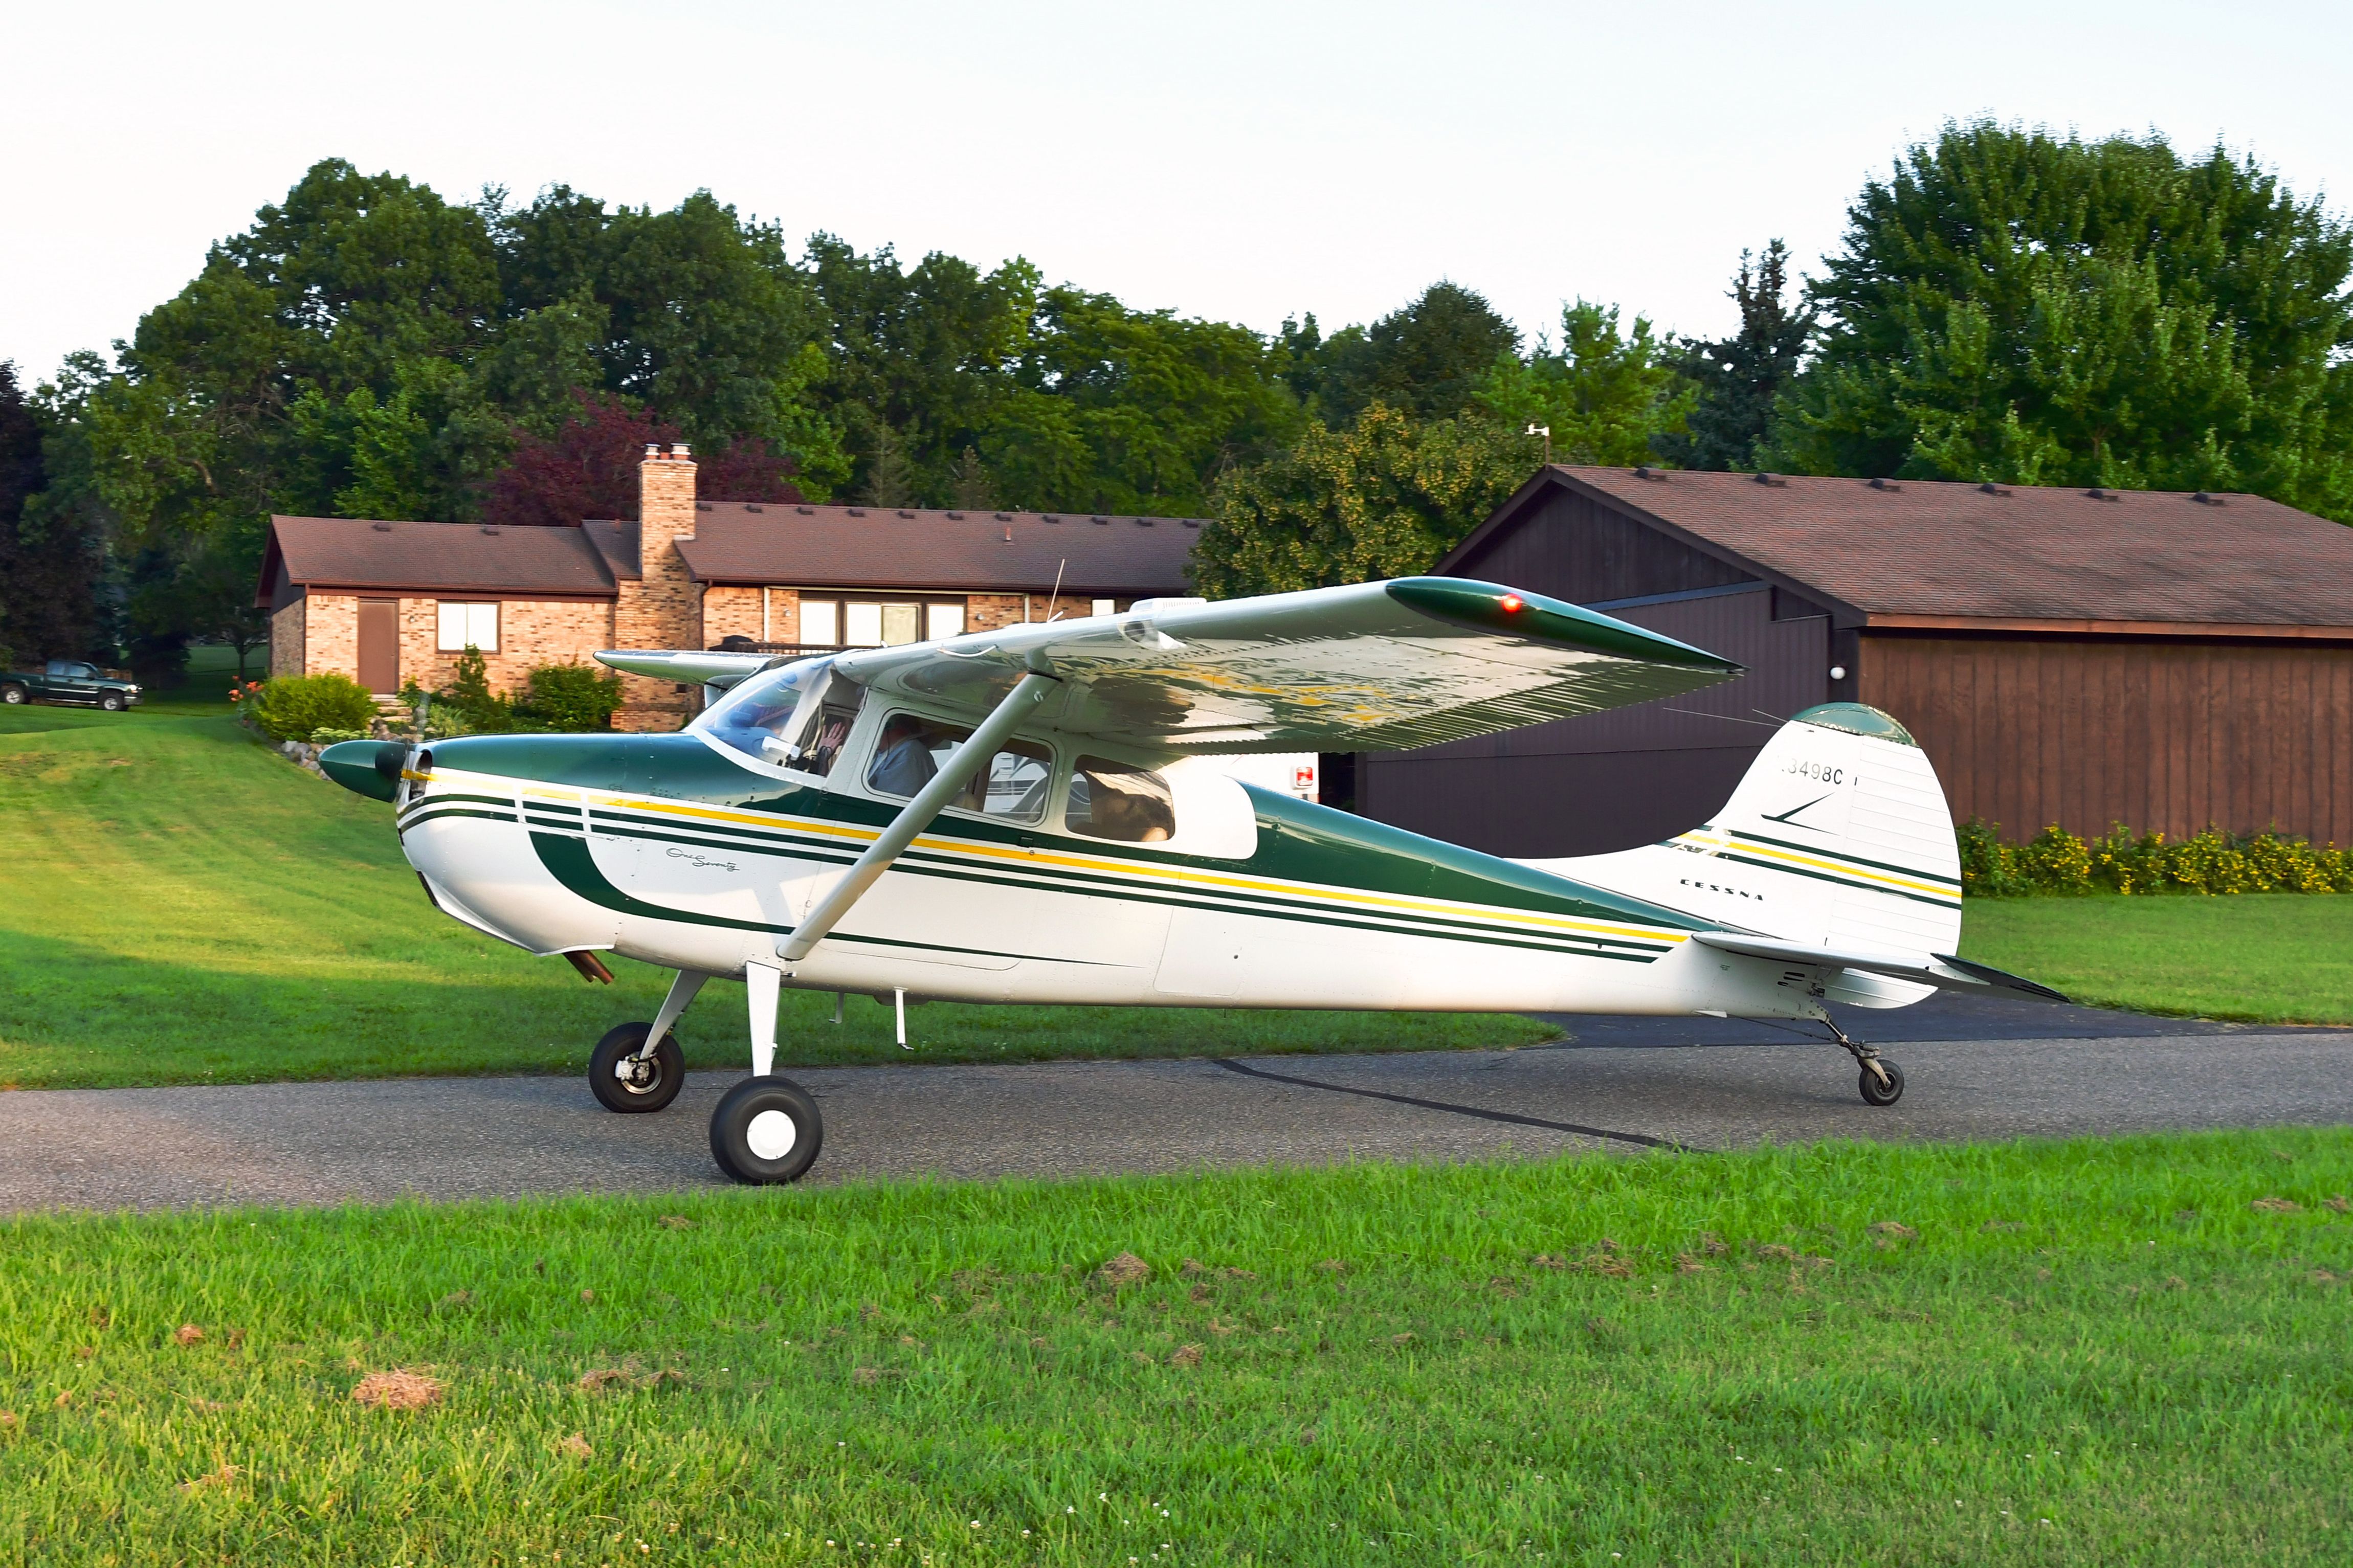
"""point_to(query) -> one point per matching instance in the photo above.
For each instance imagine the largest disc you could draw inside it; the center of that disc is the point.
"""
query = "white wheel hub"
(772, 1135)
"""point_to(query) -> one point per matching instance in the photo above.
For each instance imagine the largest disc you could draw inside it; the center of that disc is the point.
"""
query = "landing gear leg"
(766, 1129)
(1881, 1081)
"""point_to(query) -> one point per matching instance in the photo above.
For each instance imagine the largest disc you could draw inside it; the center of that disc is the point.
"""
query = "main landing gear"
(1881, 1081)
(765, 1130)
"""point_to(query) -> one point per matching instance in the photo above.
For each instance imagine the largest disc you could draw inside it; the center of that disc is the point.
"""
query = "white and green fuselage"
(666, 848)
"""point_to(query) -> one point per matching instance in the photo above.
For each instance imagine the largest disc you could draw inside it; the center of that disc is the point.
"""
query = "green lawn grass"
(180, 904)
(2260, 957)
(2093, 1352)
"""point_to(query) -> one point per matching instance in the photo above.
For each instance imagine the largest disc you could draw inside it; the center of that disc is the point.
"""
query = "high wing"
(1373, 666)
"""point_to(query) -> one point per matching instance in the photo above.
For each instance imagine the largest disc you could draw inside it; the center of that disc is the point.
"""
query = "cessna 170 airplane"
(1039, 813)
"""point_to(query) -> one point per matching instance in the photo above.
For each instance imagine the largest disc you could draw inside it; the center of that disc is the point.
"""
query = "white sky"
(1235, 161)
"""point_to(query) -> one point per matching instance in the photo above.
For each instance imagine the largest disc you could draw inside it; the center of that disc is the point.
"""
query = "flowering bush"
(2056, 861)
(293, 707)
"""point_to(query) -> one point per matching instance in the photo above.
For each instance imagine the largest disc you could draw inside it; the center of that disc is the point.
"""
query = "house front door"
(380, 646)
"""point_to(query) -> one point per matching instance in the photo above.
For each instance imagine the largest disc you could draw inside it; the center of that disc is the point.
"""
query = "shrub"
(573, 697)
(2212, 862)
(468, 695)
(293, 707)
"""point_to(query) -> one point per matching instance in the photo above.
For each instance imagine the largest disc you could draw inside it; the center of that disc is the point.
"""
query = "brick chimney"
(662, 609)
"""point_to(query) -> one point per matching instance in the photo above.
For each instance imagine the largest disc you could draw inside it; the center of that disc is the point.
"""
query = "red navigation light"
(1512, 602)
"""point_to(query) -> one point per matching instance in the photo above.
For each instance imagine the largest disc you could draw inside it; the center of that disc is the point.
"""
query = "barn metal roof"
(1924, 552)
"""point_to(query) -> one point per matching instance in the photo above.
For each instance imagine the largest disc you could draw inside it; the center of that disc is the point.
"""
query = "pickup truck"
(70, 680)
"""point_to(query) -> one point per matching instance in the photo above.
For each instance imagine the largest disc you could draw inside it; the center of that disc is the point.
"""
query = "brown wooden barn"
(2077, 656)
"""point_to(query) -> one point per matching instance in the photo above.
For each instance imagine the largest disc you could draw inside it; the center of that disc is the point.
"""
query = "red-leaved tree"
(590, 468)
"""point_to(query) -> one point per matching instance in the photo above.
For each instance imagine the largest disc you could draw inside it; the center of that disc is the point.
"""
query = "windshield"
(756, 716)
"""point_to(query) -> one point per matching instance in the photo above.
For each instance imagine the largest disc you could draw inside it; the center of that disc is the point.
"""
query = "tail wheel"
(1875, 1092)
(625, 1081)
(766, 1130)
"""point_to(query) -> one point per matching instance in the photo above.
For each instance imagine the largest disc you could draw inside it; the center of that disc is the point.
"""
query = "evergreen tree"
(1425, 360)
(1739, 378)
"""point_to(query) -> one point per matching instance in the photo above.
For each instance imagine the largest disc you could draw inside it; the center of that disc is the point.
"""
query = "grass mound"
(2085, 1352)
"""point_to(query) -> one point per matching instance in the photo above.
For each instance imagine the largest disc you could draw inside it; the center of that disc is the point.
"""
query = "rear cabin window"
(1119, 801)
(913, 749)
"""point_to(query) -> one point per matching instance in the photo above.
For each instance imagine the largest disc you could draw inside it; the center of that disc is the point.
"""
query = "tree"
(697, 313)
(588, 467)
(1606, 397)
(1740, 378)
(1117, 410)
(1385, 498)
(1425, 360)
(49, 567)
(928, 351)
(2011, 306)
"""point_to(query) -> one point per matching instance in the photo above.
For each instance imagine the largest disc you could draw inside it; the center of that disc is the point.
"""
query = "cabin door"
(380, 646)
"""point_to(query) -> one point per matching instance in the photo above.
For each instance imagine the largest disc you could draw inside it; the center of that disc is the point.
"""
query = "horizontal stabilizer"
(1943, 971)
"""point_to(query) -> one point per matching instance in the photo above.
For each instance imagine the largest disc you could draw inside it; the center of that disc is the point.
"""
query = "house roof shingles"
(2016, 553)
(440, 557)
(948, 551)
(780, 543)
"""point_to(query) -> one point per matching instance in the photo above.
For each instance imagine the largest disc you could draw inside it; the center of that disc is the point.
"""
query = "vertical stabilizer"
(1837, 837)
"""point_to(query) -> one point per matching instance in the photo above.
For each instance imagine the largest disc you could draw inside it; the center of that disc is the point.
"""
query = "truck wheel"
(112, 702)
(14, 696)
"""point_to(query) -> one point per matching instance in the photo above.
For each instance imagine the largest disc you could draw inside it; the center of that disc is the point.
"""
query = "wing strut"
(916, 815)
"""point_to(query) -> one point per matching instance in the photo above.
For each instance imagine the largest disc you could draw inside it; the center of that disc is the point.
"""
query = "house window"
(1106, 606)
(467, 624)
(877, 622)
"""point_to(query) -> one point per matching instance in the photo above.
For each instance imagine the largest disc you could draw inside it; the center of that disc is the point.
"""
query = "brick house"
(386, 603)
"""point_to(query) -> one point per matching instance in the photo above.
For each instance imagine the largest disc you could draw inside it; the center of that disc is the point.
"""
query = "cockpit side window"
(1119, 801)
(818, 745)
(912, 750)
(756, 718)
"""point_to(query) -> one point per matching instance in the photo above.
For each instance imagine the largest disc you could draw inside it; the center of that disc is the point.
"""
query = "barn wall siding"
(1559, 804)
(1573, 548)
(2169, 735)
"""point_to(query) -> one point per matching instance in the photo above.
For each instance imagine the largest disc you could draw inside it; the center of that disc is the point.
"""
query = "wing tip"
(1482, 606)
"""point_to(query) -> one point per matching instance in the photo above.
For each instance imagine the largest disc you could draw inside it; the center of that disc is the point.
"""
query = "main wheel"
(112, 702)
(1877, 1093)
(766, 1130)
(622, 1080)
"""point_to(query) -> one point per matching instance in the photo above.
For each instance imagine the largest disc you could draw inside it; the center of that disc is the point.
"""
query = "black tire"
(14, 696)
(112, 702)
(756, 1150)
(1876, 1093)
(650, 1084)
